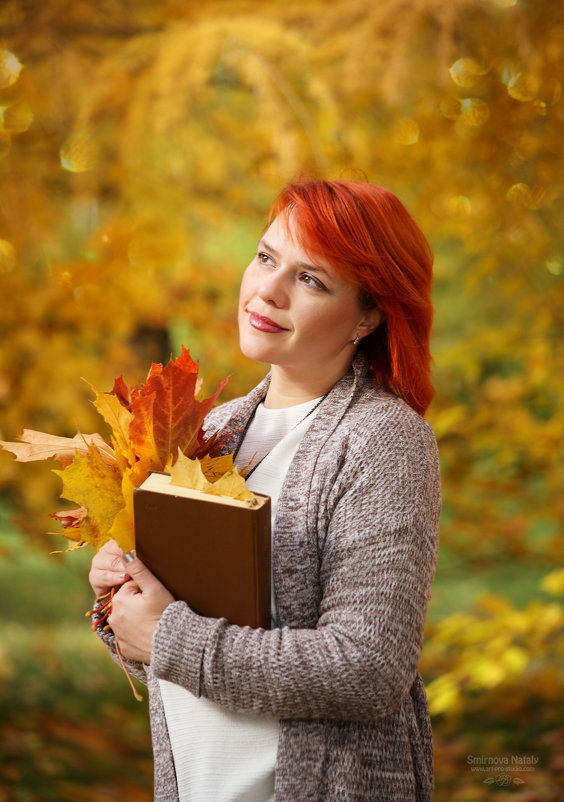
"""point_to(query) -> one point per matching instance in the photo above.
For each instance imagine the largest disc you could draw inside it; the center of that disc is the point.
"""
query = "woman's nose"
(273, 289)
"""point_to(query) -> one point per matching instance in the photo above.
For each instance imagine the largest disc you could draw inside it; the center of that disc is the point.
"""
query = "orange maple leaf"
(166, 414)
(141, 430)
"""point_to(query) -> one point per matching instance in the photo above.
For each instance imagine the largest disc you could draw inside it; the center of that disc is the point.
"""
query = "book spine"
(262, 548)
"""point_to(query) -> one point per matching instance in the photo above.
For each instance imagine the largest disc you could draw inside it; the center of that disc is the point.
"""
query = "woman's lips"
(264, 324)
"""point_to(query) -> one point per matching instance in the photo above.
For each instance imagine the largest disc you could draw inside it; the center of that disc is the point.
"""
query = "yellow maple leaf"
(232, 484)
(118, 418)
(215, 467)
(123, 526)
(189, 473)
(95, 485)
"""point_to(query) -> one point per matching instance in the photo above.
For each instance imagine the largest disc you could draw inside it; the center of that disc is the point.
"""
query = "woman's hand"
(136, 610)
(107, 569)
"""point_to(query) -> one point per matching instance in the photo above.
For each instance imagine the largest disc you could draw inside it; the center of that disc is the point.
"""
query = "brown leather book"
(213, 552)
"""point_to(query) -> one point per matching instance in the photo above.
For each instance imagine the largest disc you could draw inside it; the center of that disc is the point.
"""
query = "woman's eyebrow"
(305, 265)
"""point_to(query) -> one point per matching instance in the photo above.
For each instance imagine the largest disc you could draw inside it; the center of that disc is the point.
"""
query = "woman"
(327, 704)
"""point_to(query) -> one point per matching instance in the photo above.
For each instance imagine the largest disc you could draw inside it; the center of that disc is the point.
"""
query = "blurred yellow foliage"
(141, 155)
(492, 646)
(497, 667)
(140, 149)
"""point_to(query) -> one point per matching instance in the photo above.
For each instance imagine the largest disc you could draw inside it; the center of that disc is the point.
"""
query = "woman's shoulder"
(377, 410)
(381, 439)
(381, 434)
(373, 410)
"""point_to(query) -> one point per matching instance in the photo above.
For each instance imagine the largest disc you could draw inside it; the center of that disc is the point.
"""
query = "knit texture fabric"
(354, 555)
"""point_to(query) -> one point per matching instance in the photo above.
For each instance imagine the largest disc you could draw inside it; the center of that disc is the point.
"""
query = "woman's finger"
(107, 569)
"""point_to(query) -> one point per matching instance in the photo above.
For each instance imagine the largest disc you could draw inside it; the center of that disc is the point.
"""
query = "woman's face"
(297, 312)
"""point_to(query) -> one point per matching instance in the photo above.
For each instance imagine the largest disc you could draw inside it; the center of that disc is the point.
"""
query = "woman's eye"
(264, 258)
(310, 281)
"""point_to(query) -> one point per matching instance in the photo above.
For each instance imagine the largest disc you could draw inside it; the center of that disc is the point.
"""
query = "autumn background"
(140, 146)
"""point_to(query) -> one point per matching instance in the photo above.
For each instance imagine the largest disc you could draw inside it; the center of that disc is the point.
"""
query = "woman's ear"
(370, 321)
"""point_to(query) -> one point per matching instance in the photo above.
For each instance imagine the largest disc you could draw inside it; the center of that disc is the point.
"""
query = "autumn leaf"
(70, 521)
(232, 484)
(123, 526)
(189, 473)
(166, 414)
(177, 415)
(214, 467)
(173, 391)
(122, 392)
(70, 517)
(119, 419)
(95, 485)
(141, 430)
(206, 446)
(40, 445)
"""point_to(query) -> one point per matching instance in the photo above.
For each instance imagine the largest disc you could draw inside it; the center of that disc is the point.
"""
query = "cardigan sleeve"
(377, 561)
(134, 667)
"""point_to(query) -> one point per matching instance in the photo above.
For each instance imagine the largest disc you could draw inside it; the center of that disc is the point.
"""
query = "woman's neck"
(288, 390)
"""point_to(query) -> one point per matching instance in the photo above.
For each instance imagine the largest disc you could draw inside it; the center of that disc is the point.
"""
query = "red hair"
(369, 237)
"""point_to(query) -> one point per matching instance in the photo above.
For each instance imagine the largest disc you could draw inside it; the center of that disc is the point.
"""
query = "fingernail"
(122, 576)
(129, 556)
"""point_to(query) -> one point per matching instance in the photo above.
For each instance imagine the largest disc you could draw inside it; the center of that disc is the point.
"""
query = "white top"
(220, 755)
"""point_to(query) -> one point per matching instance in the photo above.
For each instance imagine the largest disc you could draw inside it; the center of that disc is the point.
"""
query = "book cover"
(213, 552)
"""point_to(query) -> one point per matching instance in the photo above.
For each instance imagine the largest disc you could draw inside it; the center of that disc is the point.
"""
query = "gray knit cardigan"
(354, 555)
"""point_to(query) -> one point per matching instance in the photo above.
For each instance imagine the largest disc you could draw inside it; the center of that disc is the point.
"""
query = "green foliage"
(70, 728)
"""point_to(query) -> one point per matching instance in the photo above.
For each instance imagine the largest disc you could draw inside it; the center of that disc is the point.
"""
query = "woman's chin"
(257, 351)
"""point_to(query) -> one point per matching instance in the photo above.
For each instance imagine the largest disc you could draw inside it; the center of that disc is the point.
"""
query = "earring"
(356, 340)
